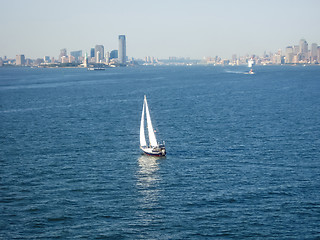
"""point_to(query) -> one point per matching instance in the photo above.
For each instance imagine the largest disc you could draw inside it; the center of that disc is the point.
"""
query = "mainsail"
(152, 136)
(142, 135)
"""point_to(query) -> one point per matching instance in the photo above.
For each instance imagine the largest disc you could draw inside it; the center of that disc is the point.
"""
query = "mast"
(142, 135)
(152, 136)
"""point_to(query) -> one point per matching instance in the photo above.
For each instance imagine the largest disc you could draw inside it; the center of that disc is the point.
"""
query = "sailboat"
(153, 148)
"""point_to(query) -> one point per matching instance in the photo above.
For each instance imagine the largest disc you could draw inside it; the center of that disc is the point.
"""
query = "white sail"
(250, 63)
(142, 135)
(152, 136)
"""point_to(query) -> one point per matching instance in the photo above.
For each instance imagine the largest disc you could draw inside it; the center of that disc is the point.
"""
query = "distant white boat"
(95, 69)
(153, 148)
(250, 72)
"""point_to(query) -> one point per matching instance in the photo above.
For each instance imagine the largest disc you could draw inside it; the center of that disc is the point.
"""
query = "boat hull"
(157, 152)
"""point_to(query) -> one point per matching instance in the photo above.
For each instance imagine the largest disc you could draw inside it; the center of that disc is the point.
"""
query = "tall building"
(107, 57)
(114, 54)
(289, 54)
(234, 58)
(64, 59)
(122, 49)
(20, 60)
(46, 59)
(99, 49)
(76, 55)
(303, 53)
(296, 49)
(72, 59)
(303, 46)
(92, 53)
(63, 53)
(98, 57)
(314, 52)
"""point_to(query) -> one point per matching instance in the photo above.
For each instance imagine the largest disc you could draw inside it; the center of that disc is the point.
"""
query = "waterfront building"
(98, 57)
(234, 58)
(114, 54)
(100, 49)
(303, 46)
(38, 61)
(303, 53)
(107, 58)
(289, 54)
(314, 52)
(46, 59)
(63, 53)
(29, 62)
(92, 53)
(64, 59)
(20, 60)
(296, 49)
(72, 59)
(76, 54)
(122, 49)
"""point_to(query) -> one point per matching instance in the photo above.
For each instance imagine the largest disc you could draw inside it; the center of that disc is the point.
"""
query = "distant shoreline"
(159, 65)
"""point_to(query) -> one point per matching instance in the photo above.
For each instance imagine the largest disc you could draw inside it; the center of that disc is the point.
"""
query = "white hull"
(156, 151)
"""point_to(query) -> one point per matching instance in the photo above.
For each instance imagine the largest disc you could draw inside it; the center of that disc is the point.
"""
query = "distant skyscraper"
(98, 57)
(234, 58)
(296, 49)
(100, 49)
(122, 49)
(107, 57)
(92, 52)
(76, 55)
(289, 54)
(303, 50)
(64, 59)
(303, 46)
(46, 59)
(20, 60)
(314, 51)
(63, 53)
(114, 54)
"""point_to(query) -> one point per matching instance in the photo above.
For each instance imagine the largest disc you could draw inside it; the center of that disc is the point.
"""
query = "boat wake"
(235, 72)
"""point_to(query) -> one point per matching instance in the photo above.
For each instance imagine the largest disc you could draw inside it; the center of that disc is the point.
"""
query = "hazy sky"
(159, 28)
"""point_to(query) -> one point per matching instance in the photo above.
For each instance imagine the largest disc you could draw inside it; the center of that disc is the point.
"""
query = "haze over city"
(181, 28)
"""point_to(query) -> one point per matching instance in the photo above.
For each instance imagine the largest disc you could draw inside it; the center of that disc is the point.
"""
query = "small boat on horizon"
(96, 69)
(153, 148)
(250, 72)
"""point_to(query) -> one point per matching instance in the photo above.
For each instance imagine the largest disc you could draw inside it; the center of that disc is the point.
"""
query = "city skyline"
(194, 29)
(299, 53)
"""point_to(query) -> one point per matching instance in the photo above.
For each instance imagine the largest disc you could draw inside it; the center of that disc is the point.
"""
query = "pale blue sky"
(159, 28)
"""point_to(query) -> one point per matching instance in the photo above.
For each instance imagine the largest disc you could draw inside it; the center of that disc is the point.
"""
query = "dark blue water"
(243, 153)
